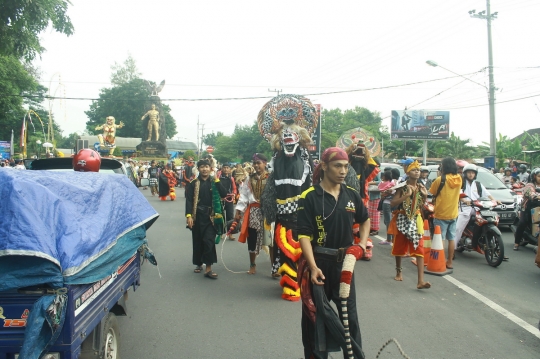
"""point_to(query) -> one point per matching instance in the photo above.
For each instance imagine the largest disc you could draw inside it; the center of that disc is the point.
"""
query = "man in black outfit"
(203, 208)
(153, 175)
(326, 214)
(228, 182)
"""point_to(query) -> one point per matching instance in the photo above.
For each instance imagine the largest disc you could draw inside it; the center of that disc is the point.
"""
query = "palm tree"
(453, 147)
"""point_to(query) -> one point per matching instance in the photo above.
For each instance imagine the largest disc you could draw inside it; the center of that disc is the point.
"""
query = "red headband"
(334, 154)
(329, 155)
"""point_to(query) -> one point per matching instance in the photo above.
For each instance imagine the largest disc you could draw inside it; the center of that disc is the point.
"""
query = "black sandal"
(198, 269)
(211, 275)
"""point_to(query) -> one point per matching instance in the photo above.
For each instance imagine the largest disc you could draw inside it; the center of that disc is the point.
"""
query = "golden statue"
(109, 134)
(153, 122)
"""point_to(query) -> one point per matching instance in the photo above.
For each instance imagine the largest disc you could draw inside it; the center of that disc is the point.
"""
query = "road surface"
(477, 312)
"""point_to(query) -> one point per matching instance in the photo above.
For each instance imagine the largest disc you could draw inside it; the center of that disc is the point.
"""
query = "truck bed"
(86, 307)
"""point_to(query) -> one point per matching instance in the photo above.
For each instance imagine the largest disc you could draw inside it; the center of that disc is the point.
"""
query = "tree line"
(246, 140)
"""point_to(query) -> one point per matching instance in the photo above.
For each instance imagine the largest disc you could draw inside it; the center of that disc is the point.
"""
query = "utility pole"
(197, 133)
(487, 15)
(278, 91)
(202, 135)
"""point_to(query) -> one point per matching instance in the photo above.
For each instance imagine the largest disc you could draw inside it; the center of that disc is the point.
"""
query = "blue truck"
(90, 328)
(68, 259)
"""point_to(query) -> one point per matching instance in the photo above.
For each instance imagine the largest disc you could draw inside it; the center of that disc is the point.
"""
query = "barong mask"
(290, 141)
(358, 151)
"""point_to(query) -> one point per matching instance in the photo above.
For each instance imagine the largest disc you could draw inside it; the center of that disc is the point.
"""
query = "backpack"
(478, 187)
(441, 185)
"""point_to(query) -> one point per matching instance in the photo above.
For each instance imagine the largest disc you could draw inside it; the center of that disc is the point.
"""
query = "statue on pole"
(107, 139)
(153, 123)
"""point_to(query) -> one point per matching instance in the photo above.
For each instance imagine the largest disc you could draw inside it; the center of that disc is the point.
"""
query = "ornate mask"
(289, 140)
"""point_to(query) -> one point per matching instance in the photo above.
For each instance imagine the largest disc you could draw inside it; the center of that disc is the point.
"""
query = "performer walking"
(287, 121)
(204, 217)
(153, 175)
(167, 182)
(230, 185)
(250, 203)
(327, 212)
(407, 224)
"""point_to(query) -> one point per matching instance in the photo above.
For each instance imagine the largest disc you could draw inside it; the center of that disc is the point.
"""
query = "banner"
(5, 150)
(420, 125)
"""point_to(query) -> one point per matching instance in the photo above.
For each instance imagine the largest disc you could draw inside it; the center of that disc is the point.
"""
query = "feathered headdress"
(288, 109)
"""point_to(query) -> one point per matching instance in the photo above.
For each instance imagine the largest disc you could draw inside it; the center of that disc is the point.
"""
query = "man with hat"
(327, 212)
(407, 225)
(204, 217)
(249, 203)
(228, 182)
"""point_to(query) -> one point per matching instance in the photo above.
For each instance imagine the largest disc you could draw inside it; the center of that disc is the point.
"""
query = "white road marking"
(531, 329)
(379, 237)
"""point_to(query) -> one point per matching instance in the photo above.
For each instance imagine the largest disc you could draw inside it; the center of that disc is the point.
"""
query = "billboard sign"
(5, 150)
(420, 125)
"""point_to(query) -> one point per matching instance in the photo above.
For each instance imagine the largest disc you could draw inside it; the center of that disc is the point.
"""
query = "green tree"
(22, 92)
(124, 73)
(453, 147)
(211, 138)
(190, 153)
(506, 149)
(14, 82)
(127, 103)
(226, 149)
(241, 145)
(23, 21)
(335, 122)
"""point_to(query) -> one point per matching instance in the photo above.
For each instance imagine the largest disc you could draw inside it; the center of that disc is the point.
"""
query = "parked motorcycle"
(483, 227)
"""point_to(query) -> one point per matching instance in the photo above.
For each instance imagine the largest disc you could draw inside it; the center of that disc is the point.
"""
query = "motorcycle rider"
(424, 173)
(523, 175)
(531, 199)
(473, 190)
(507, 178)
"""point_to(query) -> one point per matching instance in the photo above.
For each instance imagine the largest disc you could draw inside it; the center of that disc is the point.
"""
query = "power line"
(242, 98)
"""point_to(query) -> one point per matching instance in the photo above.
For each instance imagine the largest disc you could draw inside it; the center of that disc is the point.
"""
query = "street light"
(491, 99)
(434, 64)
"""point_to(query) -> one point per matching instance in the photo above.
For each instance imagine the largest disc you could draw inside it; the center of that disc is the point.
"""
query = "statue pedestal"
(152, 149)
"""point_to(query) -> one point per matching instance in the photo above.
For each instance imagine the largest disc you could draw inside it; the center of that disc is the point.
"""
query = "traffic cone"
(437, 258)
(426, 240)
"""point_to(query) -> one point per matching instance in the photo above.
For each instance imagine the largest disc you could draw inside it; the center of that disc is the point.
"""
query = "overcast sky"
(223, 49)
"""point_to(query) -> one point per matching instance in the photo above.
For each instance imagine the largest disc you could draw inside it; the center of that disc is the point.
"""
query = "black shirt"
(338, 226)
(226, 181)
(205, 193)
(153, 172)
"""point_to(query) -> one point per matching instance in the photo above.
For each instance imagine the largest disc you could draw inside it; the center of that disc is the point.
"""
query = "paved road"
(185, 315)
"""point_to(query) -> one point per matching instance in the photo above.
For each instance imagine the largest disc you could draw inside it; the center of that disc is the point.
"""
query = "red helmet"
(87, 160)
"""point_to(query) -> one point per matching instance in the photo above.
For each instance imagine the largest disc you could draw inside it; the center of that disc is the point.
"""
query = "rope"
(397, 344)
(224, 239)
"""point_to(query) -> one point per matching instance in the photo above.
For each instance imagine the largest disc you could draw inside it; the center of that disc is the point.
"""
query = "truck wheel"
(110, 344)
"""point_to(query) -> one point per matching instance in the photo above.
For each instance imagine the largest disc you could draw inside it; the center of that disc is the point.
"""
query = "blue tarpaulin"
(61, 228)
(68, 218)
